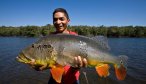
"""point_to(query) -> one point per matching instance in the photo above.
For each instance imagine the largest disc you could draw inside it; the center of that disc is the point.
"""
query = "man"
(71, 74)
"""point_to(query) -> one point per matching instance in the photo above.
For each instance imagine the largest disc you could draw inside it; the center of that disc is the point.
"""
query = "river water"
(13, 72)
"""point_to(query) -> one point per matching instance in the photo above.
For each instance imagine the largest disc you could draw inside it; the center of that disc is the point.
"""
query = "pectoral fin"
(57, 73)
(102, 70)
(120, 72)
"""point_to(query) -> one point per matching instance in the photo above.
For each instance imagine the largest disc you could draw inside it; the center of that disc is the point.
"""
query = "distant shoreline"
(111, 31)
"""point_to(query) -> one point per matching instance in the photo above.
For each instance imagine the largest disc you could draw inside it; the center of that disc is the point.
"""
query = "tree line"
(109, 31)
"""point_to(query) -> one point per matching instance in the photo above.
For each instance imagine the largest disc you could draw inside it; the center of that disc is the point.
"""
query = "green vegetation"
(111, 31)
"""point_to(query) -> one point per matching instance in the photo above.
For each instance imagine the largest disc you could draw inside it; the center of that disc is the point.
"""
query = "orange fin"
(57, 73)
(120, 72)
(102, 70)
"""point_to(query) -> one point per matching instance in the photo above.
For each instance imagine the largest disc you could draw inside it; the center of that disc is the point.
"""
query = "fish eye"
(49, 46)
(33, 45)
(121, 62)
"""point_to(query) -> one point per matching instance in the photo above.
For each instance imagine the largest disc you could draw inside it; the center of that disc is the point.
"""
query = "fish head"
(40, 52)
(26, 55)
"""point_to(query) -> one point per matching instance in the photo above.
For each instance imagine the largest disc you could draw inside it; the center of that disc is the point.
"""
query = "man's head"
(60, 19)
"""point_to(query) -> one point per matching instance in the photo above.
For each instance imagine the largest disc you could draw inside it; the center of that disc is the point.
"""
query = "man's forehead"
(58, 17)
(59, 14)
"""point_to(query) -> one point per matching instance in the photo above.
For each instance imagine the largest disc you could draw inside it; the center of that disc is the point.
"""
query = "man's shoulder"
(72, 33)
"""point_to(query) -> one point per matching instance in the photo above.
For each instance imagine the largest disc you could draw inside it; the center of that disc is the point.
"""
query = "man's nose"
(58, 21)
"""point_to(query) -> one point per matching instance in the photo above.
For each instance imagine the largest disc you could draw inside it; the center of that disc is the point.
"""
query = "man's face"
(60, 21)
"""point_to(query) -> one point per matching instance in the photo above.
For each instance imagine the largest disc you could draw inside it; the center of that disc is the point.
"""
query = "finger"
(32, 62)
(43, 67)
(85, 62)
(80, 63)
(75, 62)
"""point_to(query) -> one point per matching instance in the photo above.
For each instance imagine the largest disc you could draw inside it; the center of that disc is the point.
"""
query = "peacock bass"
(59, 50)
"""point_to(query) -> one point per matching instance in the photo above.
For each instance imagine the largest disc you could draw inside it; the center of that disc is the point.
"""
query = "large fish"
(56, 51)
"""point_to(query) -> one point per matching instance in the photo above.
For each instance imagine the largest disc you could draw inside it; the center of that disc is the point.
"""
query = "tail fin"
(120, 69)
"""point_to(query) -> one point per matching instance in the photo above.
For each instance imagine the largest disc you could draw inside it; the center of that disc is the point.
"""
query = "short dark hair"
(61, 10)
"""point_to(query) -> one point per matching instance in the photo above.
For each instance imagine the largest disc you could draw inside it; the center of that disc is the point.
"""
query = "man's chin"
(60, 30)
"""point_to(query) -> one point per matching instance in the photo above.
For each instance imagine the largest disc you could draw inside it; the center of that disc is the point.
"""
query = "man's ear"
(68, 20)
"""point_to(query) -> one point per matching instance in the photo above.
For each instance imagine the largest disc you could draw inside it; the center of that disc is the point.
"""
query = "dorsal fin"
(102, 41)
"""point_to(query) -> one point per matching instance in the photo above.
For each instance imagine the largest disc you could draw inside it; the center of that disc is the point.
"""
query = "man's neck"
(65, 32)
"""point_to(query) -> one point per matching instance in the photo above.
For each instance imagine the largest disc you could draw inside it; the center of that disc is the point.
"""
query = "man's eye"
(55, 19)
(61, 19)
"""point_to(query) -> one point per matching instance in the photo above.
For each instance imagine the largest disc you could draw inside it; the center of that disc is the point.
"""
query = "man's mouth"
(60, 26)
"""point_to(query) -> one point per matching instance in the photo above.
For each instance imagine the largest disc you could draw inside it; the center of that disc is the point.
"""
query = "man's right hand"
(38, 68)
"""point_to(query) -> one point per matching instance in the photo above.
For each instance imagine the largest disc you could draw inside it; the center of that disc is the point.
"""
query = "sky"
(81, 12)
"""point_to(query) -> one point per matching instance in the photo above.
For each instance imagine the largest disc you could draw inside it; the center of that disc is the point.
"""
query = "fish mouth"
(23, 58)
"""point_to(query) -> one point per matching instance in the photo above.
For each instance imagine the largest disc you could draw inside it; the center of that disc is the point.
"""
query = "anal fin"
(57, 73)
(102, 70)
